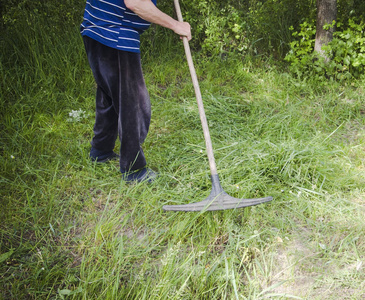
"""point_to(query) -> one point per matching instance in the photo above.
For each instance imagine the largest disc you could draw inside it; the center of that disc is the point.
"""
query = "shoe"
(102, 156)
(142, 175)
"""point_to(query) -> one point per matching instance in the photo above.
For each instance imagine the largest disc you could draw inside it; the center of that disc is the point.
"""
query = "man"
(111, 32)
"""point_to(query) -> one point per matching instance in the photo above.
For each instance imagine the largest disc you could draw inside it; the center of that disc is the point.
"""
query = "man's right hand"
(183, 29)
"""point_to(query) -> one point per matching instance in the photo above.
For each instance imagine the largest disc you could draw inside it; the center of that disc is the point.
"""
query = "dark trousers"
(123, 105)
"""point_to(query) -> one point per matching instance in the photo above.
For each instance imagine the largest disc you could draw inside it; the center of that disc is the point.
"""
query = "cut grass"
(72, 229)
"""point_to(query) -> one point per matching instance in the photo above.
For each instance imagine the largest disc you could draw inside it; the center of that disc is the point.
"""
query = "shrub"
(57, 13)
(218, 28)
(346, 52)
(225, 31)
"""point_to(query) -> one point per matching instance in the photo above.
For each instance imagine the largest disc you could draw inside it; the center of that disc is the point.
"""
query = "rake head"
(217, 200)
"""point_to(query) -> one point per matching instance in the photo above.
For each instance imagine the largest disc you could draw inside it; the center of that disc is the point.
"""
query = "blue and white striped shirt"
(112, 24)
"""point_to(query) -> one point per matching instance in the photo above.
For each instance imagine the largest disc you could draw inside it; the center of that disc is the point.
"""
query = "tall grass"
(72, 229)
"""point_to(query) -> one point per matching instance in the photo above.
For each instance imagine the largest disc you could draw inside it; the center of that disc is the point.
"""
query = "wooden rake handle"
(208, 141)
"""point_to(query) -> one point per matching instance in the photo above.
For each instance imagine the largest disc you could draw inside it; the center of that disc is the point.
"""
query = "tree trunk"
(326, 14)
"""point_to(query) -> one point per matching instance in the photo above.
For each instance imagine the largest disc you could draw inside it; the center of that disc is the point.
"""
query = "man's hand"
(149, 12)
(183, 29)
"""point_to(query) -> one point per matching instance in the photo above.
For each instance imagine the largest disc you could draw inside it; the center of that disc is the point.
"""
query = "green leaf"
(67, 292)
(5, 256)
(64, 292)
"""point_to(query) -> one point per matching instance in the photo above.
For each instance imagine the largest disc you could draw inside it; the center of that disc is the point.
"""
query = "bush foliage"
(247, 27)
(343, 57)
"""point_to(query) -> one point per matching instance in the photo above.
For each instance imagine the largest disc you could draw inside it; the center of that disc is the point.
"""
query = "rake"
(218, 199)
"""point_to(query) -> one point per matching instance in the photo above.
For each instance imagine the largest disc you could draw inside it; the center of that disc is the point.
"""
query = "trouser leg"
(102, 61)
(134, 111)
(122, 103)
(106, 123)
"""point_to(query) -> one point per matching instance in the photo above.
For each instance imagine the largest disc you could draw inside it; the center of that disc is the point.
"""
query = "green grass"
(72, 229)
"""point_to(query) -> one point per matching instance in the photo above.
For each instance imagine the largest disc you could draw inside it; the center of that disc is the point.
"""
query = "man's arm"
(149, 12)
